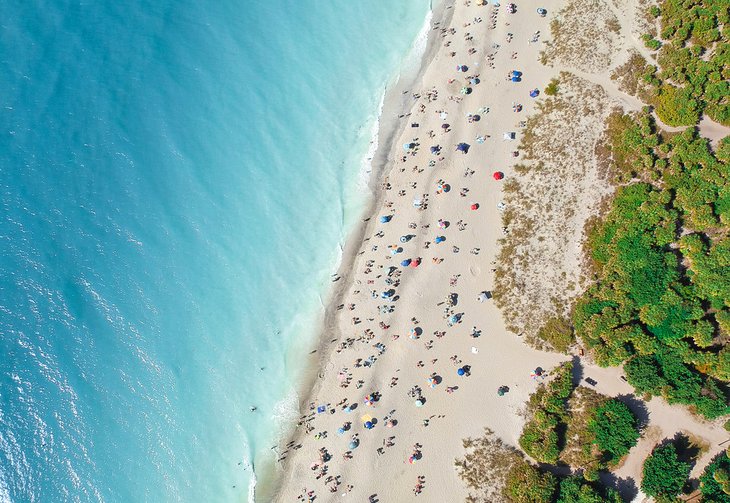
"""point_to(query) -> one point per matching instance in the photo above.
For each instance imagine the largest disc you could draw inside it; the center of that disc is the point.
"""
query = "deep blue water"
(175, 179)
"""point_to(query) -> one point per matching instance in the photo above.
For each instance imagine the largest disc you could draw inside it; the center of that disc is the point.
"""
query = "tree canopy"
(664, 474)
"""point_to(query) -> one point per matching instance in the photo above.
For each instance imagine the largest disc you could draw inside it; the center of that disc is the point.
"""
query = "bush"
(578, 490)
(552, 87)
(615, 430)
(527, 484)
(651, 43)
(558, 332)
(664, 474)
(540, 437)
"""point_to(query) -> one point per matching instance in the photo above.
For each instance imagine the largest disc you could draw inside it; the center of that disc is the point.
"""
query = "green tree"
(615, 430)
(664, 474)
(715, 480)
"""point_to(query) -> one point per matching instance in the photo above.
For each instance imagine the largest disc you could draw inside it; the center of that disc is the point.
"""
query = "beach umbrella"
(498, 175)
(385, 219)
(434, 149)
(390, 424)
(340, 430)
(515, 79)
(416, 263)
(368, 425)
(534, 93)
(475, 206)
(405, 262)
(353, 444)
(419, 403)
(464, 68)
(481, 139)
(417, 203)
(461, 371)
(321, 409)
(482, 297)
(515, 73)
(439, 239)
(474, 81)
(444, 126)
(462, 147)
(443, 115)
(407, 146)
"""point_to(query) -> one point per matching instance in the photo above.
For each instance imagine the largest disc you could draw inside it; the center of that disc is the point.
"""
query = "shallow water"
(176, 179)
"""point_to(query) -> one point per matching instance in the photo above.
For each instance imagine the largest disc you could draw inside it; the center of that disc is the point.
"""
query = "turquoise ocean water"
(176, 178)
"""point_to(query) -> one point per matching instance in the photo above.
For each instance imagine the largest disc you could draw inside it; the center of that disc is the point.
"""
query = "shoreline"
(445, 291)
(435, 67)
(396, 101)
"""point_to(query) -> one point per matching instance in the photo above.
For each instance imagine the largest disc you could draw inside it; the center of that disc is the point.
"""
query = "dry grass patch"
(552, 195)
(485, 467)
(585, 36)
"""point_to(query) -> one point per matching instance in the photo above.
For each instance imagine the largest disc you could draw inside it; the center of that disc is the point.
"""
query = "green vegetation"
(614, 429)
(558, 332)
(494, 471)
(651, 42)
(552, 87)
(694, 61)
(715, 481)
(541, 438)
(664, 474)
(528, 484)
(661, 258)
(578, 490)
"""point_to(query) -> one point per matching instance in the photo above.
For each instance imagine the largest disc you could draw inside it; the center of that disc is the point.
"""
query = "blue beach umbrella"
(385, 219)
(460, 371)
(534, 93)
(405, 262)
(369, 425)
(353, 444)
(439, 239)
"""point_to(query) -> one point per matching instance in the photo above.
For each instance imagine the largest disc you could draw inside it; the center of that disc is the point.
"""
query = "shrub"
(664, 474)
(552, 87)
(578, 490)
(651, 43)
(557, 332)
(527, 484)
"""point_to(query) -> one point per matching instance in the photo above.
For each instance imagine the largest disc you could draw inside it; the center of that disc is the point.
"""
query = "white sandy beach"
(368, 350)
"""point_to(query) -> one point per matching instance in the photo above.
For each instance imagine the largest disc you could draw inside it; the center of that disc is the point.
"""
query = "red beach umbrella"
(475, 206)
(416, 262)
(498, 175)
